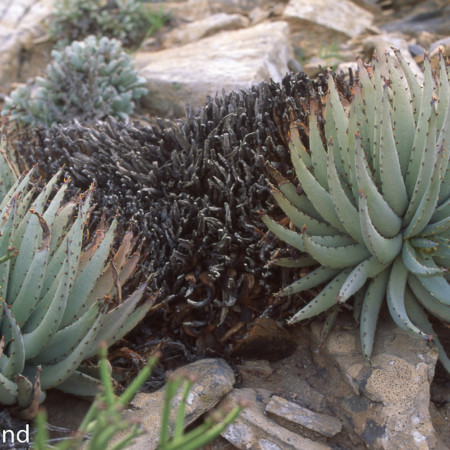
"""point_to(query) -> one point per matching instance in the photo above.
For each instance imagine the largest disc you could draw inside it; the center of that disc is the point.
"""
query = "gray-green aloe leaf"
(381, 189)
(55, 290)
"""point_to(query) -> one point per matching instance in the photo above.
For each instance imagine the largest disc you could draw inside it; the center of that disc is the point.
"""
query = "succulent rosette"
(374, 210)
(58, 297)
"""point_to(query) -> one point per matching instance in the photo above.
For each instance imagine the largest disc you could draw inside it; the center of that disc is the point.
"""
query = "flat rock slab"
(21, 23)
(302, 420)
(214, 379)
(227, 61)
(342, 16)
(254, 430)
(192, 10)
(200, 29)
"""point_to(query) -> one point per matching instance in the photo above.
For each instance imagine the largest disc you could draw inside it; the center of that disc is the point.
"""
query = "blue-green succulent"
(374, 212)
(58, 297)
(88, 80)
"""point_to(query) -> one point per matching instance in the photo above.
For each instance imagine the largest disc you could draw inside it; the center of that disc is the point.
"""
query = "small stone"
(443, 44)
(199, 29)
(416, 50)
(254, 430)
(425, 39)
(258, 15)
(344, 16)
(301, 420)
(419, 59)
(214, 379)
(295, 66)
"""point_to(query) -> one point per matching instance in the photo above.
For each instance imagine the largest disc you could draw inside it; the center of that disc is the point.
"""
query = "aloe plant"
(374, 211)
(55, 294)
(87, 80)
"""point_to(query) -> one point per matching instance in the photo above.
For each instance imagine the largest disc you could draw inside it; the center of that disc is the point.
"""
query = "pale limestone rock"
(21, 24)
(239, 6)
(192, 10)
(227, 61)
(258, 15)
(385, 403)
(189, 10)
(254, 430)
(343, 16)
(214, 379)
(309, 397)
(442, 45)
(302, 420)
(199, 29)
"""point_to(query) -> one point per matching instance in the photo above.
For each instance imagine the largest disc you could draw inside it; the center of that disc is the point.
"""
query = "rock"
(397, 5)
(295, 66)
(227, 61)
(443, 44)
(309, 397)
(199, 29)
(286, 379)
(301, 420)
(425, 40)
(432, 16)
(183, 11)
(416, 50)
(265, 339)
(371, 5)
(344, 16)
(387, 403)
(21, 25)
(214, 379)
(258, 15)
(238, 6)
(191, 10)
(254, 430)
